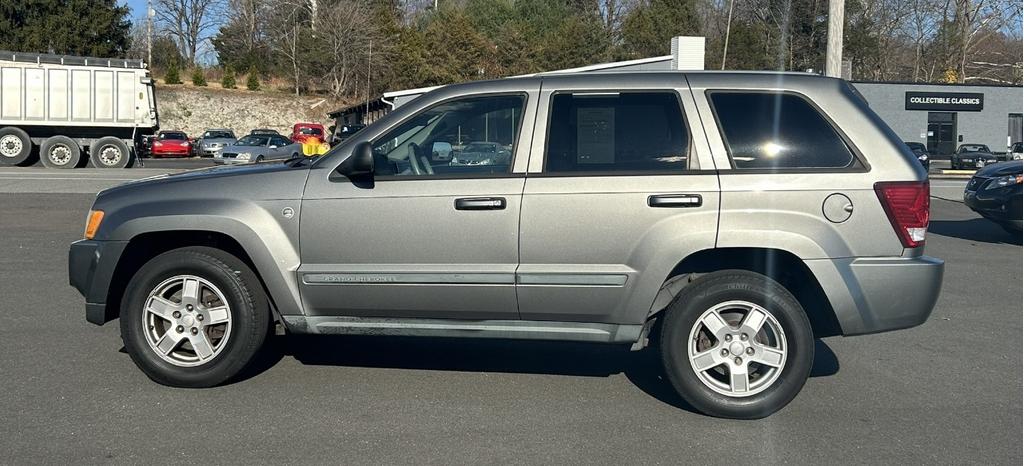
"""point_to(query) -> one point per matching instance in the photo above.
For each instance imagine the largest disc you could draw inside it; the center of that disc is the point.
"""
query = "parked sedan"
(213, 140)
(171, 144)
(995, 193)
(920, 151)
(971, 156)
(257, 148)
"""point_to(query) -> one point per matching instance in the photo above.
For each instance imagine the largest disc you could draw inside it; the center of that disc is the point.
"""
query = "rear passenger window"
(628, 132)
(775, 130)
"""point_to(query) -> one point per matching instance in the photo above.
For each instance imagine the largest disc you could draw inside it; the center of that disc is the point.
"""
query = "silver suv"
(726, 219)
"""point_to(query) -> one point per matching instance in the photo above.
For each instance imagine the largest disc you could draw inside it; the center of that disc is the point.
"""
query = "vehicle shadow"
(976, 229)
(642, 368)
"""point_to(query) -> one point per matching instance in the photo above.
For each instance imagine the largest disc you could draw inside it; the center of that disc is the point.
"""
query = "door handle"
(674, 200)
(480, 203)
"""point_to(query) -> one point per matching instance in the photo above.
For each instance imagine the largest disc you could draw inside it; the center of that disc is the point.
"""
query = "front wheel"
(736, 344)
(194, 317)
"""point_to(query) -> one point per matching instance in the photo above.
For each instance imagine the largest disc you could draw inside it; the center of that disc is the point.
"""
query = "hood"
(1012, 167)
(245, 180)
(221, 141)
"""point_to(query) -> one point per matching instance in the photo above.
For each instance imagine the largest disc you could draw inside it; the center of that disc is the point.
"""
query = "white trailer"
(71, 111)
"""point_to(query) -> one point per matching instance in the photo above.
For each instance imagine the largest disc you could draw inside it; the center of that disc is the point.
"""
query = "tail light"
(906, 204)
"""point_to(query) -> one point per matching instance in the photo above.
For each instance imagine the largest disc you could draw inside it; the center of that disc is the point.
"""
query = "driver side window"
(471, 136)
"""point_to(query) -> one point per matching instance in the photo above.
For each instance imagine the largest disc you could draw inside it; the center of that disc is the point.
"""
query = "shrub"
(198, 78)
(172, 74)
(228, 81)
(253, 82)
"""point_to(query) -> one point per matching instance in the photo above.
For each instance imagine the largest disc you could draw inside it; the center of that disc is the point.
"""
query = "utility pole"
(369, 62)
(728, 26)
(834, 49)
(149, 33)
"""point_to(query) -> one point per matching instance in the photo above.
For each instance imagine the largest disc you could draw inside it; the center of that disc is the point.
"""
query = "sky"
(138, 8)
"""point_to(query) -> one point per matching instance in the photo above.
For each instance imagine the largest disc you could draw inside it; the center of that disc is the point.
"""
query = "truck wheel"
(109, 152)
(15, 146)
(736, 344)
(60, 152)
(194, 317)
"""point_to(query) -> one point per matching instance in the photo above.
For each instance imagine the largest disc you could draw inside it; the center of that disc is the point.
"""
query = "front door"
(941, 132)
(615, 190)
(437, 233)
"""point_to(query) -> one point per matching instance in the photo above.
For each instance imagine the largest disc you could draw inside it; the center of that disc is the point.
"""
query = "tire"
(15, 146)
(232, 337)
(109, 152)
(736, 295)
(60, 152)
(259, 159)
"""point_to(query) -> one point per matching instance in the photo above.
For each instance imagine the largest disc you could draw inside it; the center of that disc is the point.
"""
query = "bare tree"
(189, 22)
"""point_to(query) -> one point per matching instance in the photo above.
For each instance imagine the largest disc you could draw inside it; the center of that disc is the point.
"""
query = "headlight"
(244, 156)
(1004, 181)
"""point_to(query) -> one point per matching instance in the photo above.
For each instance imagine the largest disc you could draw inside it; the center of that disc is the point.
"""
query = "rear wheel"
(15, 146)
(736, 344)
(109, 152)
(194, 317)
(60, 152)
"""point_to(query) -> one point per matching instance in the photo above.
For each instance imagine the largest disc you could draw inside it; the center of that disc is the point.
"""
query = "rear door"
(620, 188)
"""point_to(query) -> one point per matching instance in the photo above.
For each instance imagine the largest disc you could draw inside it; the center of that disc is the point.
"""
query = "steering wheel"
(414, 161)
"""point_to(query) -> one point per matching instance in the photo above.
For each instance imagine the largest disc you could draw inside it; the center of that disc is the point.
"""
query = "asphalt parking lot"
(946, 392)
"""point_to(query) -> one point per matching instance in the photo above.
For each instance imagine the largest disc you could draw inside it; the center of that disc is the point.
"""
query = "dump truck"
(69, 111)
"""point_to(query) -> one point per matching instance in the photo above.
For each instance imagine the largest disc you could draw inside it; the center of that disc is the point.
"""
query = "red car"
(303, 131)
(172, 144)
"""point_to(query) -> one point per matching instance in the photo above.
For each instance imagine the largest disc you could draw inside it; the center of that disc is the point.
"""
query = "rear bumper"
(90, 269)
(872, 295)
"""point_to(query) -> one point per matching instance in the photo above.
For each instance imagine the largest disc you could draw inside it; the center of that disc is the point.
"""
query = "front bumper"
(871, 295)
(1000, 205)
(90, 270)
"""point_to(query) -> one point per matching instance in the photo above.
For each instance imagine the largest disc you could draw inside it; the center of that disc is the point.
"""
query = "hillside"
(193, 109)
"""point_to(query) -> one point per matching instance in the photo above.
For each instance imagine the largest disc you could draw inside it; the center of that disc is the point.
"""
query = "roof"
(39, 58)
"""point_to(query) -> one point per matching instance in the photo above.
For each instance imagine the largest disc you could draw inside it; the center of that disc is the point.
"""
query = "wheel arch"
(144, 246)
(780, 265)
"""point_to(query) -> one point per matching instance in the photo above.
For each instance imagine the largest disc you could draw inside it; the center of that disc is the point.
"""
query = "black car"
(995, 193)
(920, 151)
(340, 134)
(972, 156)
(265, 131)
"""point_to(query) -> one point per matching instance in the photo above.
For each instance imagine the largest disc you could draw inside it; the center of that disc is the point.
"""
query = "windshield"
(974, 148)
(218, 135)
(312, 131)
(1018, 147)
(253, 140)
(916, 145)
(174, 136)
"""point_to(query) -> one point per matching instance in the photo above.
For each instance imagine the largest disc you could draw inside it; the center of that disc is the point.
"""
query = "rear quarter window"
(775, 130)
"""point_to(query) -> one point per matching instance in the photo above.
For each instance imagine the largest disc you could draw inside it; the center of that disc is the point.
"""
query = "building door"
(1015, 132)
(941, 132)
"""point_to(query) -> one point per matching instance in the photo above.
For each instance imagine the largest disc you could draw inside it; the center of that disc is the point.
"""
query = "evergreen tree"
(198, 77)
(172, 74)
(98, 28)
(228, 80)
(253, 81)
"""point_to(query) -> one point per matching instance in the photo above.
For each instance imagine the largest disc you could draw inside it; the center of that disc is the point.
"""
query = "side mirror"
(359, 164)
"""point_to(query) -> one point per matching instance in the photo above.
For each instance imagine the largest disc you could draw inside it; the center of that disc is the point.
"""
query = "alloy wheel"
(187, 320)
(737, 348)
